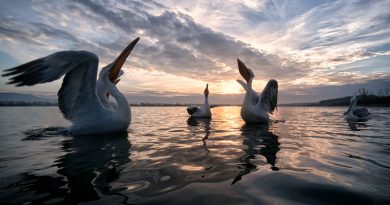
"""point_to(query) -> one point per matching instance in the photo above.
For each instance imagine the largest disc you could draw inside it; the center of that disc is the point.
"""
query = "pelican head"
(245, 72)
(113, 70)
(353, 102)
(353, 99)
(206, 91)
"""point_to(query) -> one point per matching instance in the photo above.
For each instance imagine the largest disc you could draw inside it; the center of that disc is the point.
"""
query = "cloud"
(317, 35)
(338, 29)
(174, 44)
(185, 44)
(181, 46)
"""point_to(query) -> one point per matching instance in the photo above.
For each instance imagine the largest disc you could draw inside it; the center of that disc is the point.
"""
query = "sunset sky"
(315, 49)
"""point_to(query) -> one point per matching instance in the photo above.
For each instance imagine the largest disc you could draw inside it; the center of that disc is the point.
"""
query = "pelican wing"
(192, 109)
(361, 112)
(269, 96)
(77, 97)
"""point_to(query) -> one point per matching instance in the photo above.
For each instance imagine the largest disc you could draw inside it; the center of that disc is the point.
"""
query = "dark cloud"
(179, 45)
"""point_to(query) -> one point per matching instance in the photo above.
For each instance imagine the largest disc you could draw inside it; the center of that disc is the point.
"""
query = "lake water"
(309, 155)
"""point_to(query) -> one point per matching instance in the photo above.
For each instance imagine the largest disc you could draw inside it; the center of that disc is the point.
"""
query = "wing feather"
(192, 109)
(361, 112)
(77, 98)
(269, 96)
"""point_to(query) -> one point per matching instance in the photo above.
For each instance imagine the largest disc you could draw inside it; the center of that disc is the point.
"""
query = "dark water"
(310, 155)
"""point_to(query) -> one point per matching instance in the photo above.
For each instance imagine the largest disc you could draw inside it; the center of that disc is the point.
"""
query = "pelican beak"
(118, 63)
(243, 70)
(206, 90)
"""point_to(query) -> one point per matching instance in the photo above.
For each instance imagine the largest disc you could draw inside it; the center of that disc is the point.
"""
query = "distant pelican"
(256, 107)
(203, 110)
(355, 113)
(82, 99)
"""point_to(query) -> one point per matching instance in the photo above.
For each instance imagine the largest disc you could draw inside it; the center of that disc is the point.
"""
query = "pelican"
(355, 113)
(82, 99)
(203, 110)
(256, 107)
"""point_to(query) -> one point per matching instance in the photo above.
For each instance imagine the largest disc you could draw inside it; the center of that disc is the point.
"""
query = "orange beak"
(206, 90)
(118, 63)
(243, 70)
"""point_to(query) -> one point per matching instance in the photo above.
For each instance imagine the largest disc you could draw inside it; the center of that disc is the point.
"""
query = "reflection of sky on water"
(166, 151)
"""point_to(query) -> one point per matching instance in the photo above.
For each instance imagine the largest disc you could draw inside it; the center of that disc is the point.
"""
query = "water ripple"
(306, 155)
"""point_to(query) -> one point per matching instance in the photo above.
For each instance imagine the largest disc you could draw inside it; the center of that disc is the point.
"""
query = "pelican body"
(202, 111)
(256, 107)
(355, 113)
(83, 99)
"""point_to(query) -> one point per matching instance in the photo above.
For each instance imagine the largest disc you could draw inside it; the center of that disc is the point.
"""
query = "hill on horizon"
(21, 97)
(366, 100)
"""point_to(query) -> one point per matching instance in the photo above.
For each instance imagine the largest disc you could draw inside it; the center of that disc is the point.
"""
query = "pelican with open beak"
(202, 111)
(82, 99)
(256, 107)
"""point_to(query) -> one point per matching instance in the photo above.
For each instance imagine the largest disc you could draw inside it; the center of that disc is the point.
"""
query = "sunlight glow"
(192, 168)
(229, 87)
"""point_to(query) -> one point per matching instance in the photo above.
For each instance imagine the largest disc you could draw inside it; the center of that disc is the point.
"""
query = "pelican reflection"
(203, 123)
(92, 162)
(259, 141)
(86, 170)
(354, 126)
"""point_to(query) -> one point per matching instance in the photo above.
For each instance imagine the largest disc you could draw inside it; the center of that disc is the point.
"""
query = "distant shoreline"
(212, 106)
(43, 104)
(363, 100)
(318, 105)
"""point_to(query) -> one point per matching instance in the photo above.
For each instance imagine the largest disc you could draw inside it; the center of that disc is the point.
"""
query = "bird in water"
(83, 99)
(355, 113)
(202, 111)
(256, 107)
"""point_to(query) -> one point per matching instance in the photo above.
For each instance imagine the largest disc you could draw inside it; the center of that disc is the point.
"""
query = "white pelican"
(355, 113)
(82, 99)
(256, 107)
(203, 110)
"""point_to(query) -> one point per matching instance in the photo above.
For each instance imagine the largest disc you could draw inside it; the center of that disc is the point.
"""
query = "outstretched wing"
(77, 96)
(269, 96)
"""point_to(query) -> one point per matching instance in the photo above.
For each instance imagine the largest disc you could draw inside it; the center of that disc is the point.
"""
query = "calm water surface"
(310, 155)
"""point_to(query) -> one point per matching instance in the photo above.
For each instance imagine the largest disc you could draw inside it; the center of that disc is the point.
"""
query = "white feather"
(256, 107)
(78, 97)
(202, 111)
